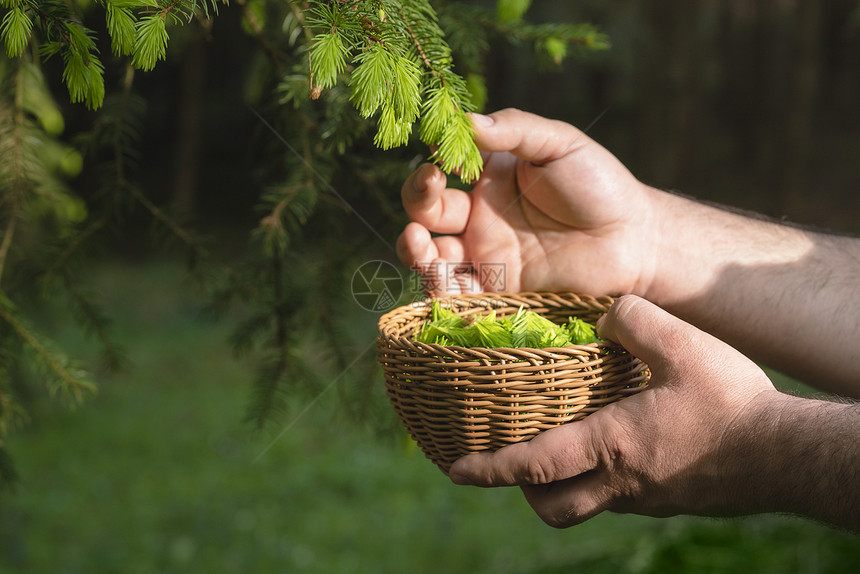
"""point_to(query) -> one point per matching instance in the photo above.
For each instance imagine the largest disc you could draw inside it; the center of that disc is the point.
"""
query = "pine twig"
(267, 386)
(113, 354)
(78, 242)
(76, 385)
(418, 45)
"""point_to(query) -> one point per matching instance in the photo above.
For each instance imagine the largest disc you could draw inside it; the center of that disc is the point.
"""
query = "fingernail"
(482, 120)
(419, 182)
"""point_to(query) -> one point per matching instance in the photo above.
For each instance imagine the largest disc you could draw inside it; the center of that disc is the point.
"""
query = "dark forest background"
(749, 103)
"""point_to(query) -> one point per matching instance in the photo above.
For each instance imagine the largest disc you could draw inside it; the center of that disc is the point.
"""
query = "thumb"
(648, 332)
(527, 136)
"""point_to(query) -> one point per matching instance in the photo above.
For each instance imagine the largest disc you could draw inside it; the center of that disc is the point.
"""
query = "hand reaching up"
(558, 210)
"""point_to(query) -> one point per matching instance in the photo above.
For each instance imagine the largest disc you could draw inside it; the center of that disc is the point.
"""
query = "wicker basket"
(456, 400)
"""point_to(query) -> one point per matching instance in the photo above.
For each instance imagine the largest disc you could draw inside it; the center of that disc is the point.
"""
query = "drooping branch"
(72, 384)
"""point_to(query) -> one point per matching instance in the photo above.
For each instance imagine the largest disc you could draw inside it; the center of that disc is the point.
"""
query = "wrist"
(702, 254)
(782, 295)
(798, 456)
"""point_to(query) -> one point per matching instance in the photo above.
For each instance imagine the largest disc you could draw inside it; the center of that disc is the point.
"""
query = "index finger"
(553, 455)
(428, 201)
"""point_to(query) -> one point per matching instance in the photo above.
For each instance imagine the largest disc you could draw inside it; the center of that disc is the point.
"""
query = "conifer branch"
(177, 230)
(327, 312)
(73, 385)
(417, 43)
(59, 264)
(96, 322)
(269, 384)
(11, 412)
(386, 79)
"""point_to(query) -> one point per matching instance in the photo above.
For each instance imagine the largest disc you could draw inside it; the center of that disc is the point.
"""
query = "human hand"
(695, 441)
(558, 210)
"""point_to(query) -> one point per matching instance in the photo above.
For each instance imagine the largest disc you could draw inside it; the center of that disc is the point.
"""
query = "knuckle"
(510, 111)
(612, 445)
(536, 471)
(624, 307)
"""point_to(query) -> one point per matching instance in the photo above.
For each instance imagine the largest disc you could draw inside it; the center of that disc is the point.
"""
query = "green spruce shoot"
(400, 68)
(523, 329)
(150, 42)
(581, 332)
(16, 29)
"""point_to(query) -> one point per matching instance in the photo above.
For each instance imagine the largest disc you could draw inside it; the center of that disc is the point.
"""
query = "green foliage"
(35, 164)
(457, 151)
(490, 333)
(439, 111)
(84, 72)
(36, 99)
(581, 332)
(471, 27)
(329, 51)
(523, 329)
(555, 48)
(393, 130)
(401, 58)
(289, 207)
(57, 372)
(403, 66)
(42, 227)
(150, 42)
(445, 328)
(512, 10)
(477, 86)
(399, 49)
(385, 68)
(412, 519)
(137, 28)
(15, 30)
(121, 24)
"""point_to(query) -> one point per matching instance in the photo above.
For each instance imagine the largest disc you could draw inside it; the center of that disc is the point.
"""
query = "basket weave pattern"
(456, 400)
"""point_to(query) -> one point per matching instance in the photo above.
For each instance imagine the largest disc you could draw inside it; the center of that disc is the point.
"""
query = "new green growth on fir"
(402, 69)
(523, 329)
(137, 28)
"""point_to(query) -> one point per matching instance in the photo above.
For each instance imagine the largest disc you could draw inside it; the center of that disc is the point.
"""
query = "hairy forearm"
(808, 461)
(785, 296)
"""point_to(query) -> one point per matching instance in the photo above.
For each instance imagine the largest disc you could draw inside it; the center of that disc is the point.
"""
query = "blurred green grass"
(158, 473)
